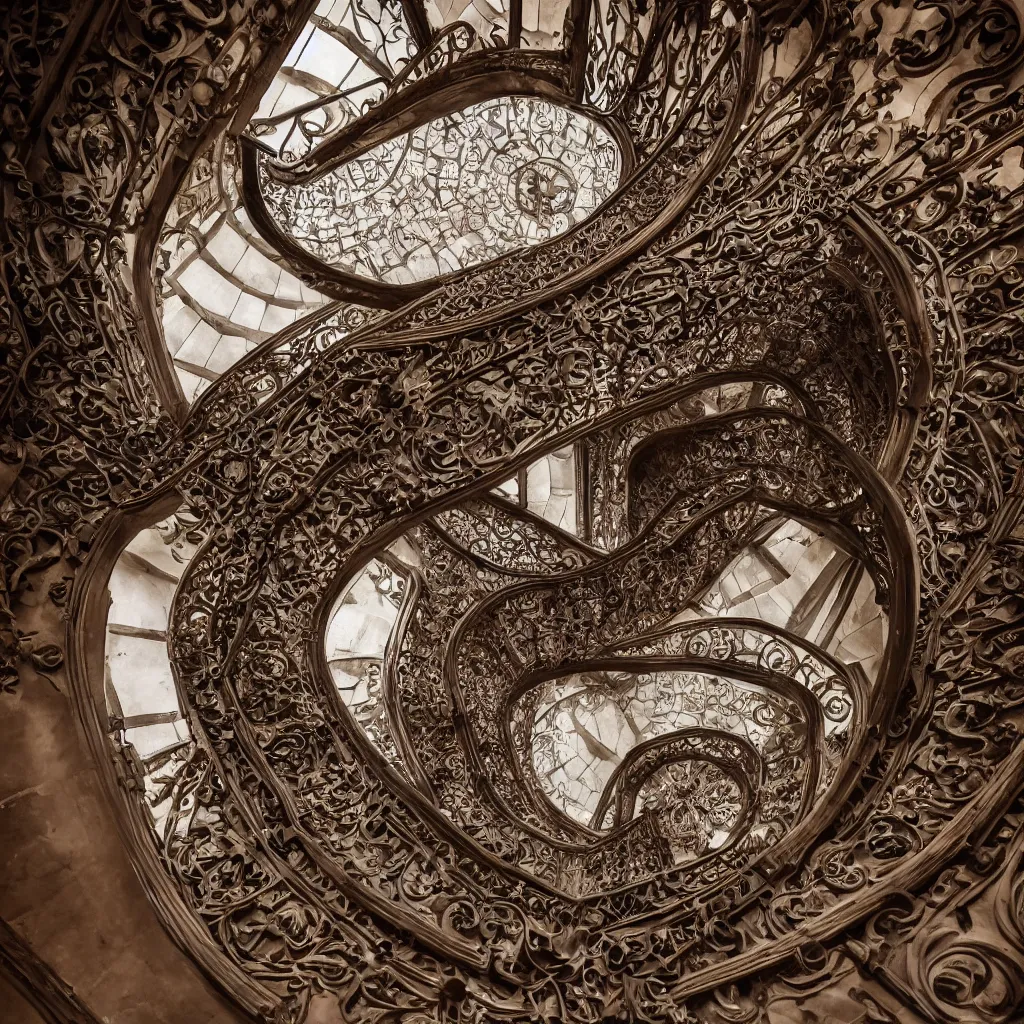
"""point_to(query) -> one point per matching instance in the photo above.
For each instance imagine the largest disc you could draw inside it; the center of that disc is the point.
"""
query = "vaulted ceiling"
(512, 511)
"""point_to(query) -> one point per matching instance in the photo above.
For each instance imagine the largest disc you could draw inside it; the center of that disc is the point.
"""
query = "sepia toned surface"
(512, 513)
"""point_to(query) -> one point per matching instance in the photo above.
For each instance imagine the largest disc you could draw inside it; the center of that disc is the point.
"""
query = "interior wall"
(66, 885)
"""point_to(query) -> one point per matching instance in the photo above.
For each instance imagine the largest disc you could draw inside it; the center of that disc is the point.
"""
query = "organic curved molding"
(802, 308)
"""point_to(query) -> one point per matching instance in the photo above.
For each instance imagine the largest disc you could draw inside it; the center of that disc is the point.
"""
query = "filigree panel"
(458, 191)
(744, 743)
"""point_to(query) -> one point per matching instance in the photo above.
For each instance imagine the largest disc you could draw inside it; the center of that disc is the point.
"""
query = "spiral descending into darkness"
(529, 500)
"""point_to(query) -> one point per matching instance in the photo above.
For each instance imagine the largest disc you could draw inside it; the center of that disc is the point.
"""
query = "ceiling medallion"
(544, 189)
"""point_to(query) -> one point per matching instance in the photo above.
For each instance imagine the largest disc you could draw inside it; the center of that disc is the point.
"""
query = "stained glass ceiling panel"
(342, 64)
(586, 725)
(490, 18)
(457, 191)
(543, 24)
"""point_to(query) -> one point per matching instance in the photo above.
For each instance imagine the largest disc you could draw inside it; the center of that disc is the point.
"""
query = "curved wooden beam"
(332, 281)
(478, 78)
(472, 79)
(625, 799)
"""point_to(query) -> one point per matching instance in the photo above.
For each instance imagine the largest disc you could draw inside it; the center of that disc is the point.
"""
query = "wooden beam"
(49, 994)
(419, 24)
(141, 632)
(578, 46)
(515, 24)
(474, 78)
(349, 39)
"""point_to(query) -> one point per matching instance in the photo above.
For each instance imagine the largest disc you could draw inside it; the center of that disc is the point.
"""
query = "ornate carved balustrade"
(619, 620)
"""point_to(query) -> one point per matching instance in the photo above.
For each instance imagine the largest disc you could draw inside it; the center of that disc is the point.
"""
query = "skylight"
(460, 190)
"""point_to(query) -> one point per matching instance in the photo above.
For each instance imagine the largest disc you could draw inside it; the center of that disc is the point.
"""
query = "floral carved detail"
(626, 627)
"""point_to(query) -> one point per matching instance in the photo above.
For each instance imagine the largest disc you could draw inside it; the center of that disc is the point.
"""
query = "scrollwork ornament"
(627, 627)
